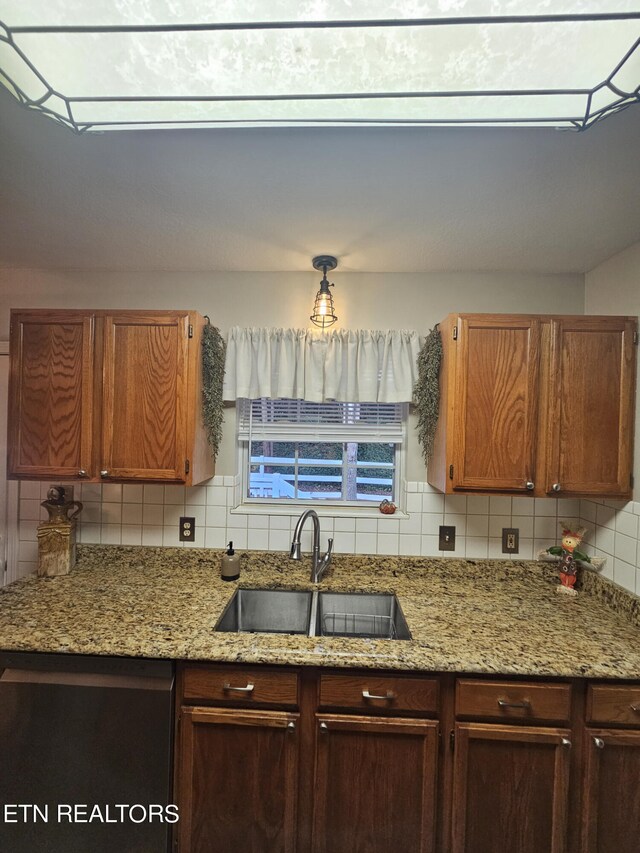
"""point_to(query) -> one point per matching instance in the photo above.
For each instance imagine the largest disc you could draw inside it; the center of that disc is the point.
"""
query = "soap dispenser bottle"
(230, 564)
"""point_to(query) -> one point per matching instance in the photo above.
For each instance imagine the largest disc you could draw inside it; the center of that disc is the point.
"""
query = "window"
(339, 453)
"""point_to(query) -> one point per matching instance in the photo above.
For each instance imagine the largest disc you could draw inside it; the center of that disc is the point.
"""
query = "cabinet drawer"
(245, 685)
(513, 700)
(379, 693)
(610, 704)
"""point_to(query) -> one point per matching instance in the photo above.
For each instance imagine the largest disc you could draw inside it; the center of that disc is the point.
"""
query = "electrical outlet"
(510, 540)
(187, 529)
(447, 541)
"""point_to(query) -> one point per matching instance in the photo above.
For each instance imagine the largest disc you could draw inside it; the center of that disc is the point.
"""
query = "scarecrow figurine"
(569, 556)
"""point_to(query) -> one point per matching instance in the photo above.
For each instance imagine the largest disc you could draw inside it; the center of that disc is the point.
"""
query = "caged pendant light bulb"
(323, 311)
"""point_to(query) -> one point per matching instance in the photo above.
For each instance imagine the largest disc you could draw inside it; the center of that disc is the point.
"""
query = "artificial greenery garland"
(426, 394)
(213, 353)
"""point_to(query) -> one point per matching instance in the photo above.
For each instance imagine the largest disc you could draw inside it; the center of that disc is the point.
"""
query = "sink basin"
(358, 614)
(272, 611)
(325, 614)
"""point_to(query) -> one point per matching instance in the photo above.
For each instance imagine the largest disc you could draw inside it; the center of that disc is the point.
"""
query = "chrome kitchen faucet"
(319, 564)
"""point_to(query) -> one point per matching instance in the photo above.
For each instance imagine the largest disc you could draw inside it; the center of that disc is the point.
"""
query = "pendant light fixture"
(323, 312)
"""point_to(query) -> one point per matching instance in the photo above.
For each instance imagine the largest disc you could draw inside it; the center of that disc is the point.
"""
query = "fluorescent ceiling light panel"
(127, 64)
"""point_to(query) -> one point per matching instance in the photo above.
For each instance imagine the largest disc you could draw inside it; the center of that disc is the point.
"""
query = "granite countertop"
(475, 616)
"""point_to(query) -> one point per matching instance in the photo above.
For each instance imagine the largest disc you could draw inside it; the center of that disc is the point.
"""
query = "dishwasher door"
(84, 732)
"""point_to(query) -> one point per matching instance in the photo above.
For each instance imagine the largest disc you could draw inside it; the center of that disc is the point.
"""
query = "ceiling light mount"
(324, 314)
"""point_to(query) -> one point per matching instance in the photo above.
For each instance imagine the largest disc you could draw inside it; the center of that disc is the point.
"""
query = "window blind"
(299, 420)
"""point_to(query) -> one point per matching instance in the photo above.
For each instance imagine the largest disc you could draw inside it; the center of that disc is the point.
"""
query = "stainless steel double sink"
(315, 613)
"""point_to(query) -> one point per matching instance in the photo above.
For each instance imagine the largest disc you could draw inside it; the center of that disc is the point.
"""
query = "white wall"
(613, 527)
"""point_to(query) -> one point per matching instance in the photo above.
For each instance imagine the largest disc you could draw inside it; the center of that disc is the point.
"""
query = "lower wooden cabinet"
(286, 760)
(238, 781)
(510, 789)
(375, 784)
(611, 810)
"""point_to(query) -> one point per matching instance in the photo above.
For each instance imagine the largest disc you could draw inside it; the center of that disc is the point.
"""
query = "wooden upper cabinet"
(144, 408)
(51, 405)
(107, 396)
(592, 380)
(536, 405)
(496, 393)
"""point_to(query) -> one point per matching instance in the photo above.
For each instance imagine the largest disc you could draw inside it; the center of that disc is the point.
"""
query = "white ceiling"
(381, 199)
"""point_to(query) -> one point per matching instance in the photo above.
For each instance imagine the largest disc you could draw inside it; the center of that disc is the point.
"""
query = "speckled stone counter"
(476, 616)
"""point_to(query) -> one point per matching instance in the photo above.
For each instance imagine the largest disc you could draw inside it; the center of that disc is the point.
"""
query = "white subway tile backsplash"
(112, 492)
(496, 523)
(132, 493)
(499, 505)
(477, 505)
(409, 544)
(153, 515)
(367, 543)
(153, 494)
(455, 504)
(134, 514)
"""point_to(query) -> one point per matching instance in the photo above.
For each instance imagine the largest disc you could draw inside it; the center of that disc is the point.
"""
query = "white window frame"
(291, 506)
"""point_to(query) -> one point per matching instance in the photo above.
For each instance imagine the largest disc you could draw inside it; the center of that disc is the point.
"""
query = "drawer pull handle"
(247, 689)
(635, 708)
(565, 742)
(505, 703)
(389, 696)
(598, 742)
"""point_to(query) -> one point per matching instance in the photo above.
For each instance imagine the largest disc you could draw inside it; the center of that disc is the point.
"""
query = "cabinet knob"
(291, 727)
(104, 474)
(82, 473)
(324, 728)
(565, 742)
(556, 487)
(530, 485)
(598, 742)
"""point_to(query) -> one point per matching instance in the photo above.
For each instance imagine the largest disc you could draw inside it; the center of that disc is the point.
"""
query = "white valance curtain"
(354, 366)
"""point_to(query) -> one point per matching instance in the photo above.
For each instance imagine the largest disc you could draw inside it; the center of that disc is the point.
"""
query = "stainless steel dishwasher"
(79, 732)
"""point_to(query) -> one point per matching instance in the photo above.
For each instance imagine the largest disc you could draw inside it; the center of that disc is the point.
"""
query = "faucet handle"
(329, 548)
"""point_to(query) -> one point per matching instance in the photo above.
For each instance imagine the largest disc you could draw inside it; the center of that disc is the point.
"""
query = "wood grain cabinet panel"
(241, 684)
(593, 366)
(238, 781)
(611, 810)
(375, 784)
(513, 700)
(375, 693)
(537, 405)
(107, 396)
(611, 704)
(51, 405)
(510, 789)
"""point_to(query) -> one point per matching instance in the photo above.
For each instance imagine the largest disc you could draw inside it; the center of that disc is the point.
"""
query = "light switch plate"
(447, 538)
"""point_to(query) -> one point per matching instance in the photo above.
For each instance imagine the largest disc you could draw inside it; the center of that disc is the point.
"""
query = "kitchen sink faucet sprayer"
(318, 564)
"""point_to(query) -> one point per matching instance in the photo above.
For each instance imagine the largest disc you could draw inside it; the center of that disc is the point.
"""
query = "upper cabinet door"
(593, 364)
(496, 403)
(144, 435)
(51, 394)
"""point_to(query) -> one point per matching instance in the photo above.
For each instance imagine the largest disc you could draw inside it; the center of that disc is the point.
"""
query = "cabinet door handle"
(530, 485)
(104, 474)
(635, 708)
(247, 689)
(556, 487)
(389, 696)
(505, 703)
(598, 742)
